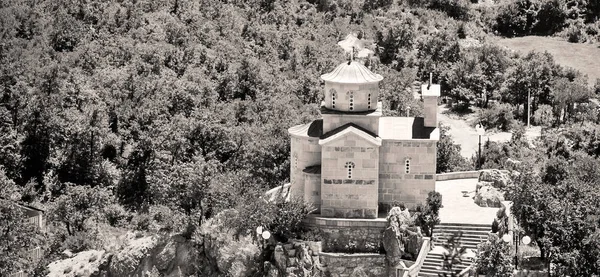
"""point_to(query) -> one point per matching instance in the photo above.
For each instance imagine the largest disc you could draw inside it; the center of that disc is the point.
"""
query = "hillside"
(581, 56)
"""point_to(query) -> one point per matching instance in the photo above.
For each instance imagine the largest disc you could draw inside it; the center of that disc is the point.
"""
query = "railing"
(467, 271)
(414, 269)
(36, 255)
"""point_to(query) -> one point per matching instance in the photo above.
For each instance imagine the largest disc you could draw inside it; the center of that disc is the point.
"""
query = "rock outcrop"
(488, 196)
(86, 263)
(499, 178)
(400, 240)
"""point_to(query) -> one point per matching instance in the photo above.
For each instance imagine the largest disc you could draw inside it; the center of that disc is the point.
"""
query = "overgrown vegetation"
(159, 115)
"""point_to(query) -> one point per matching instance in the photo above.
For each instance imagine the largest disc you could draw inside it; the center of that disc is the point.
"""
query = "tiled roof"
(313, 169)
(350, 127)
(406, 128)
(351, 73)
(313, 129)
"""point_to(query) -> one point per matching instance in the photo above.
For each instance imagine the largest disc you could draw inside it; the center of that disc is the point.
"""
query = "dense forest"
(157, 115)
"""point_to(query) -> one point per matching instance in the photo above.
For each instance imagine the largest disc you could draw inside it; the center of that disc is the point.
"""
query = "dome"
(351, 73)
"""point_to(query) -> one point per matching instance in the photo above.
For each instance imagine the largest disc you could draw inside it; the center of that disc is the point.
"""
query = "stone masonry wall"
(397, 185)
(332, 121)
(343, 235)
(312, 189)
(304, 152)
(342, 265)
(360, 96)
(354, 197)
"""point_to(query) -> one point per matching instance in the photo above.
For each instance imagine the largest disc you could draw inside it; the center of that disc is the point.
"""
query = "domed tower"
(351, 96)
(350, 142)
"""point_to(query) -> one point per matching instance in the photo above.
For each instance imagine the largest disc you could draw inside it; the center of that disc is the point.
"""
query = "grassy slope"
(583, 57)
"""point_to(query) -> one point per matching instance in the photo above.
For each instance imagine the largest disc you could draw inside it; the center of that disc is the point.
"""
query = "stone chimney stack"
(430, 94)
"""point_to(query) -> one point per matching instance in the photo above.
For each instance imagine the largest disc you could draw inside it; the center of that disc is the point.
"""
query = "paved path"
(459, 209)
(463, 133)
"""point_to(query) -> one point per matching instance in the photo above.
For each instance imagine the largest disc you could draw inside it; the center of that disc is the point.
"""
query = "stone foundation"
(346, 235)
(371, 265)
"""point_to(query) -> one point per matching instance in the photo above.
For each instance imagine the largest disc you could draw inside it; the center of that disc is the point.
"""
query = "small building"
(354, 159)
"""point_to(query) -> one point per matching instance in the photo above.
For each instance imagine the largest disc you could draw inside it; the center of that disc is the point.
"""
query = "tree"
(532, 75)
(17, 237)
(559, 218)
(494, 258)
(448, 153)
(79, 204)
(428, 217)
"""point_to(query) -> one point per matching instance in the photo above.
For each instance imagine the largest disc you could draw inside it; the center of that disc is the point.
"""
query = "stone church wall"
(354, 197)
(397, 185)
(312, 189)
(364, 96)
(332, 121)
(304, 152)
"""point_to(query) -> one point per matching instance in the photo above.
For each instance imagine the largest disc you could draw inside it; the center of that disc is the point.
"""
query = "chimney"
(430, 94)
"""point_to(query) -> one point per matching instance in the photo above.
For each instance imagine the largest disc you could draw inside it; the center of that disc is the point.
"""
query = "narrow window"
(351, 100)
(295, 161)
(369, 102)
(349, 167)
(407, 166)
(333, 94)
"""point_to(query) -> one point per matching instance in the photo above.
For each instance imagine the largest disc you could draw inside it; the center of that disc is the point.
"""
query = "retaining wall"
(457, 175)
(346, 235)
(371, 265)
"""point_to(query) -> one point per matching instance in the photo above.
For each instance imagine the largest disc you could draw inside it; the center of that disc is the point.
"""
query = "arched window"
(407, 166)
(369, 102)
(333, 95)
(349, 167)
(351, 100)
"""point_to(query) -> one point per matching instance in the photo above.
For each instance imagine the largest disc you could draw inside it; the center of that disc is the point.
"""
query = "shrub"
(494, 258)
(428, 216)
(287, 218)
(499, 116)
(543, 116)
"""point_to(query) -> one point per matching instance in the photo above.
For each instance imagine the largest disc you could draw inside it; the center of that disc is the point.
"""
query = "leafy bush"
(575, 34)
(428, 216)
(499, 116)
(448, 154)
(494, 258)
(543, 116)
(288, 216)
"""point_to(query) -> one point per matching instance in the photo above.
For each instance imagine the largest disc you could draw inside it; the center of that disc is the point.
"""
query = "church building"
(354, 160)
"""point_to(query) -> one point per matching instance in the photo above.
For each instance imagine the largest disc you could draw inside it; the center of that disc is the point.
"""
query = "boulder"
(280, 258)
(133, 258)
(500, 178)
(359, 271)
(86, 263)
(489, 196)
(413, 244)
(394, 249)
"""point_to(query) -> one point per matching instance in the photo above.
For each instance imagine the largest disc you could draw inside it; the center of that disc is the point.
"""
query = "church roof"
(313, 129)
(313, 169)
(351, 73)
(406, 128)
(350, 128)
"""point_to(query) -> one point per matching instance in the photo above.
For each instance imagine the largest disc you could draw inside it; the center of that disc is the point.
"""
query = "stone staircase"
(472, 235)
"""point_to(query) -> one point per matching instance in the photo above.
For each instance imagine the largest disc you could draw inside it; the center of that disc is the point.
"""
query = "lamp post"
(525, 240)
(480, 131)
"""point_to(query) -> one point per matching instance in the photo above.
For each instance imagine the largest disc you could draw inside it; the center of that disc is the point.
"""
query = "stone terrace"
(459, 209)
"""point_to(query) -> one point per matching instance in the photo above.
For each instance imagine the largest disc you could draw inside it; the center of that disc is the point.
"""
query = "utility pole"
(528, 106)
